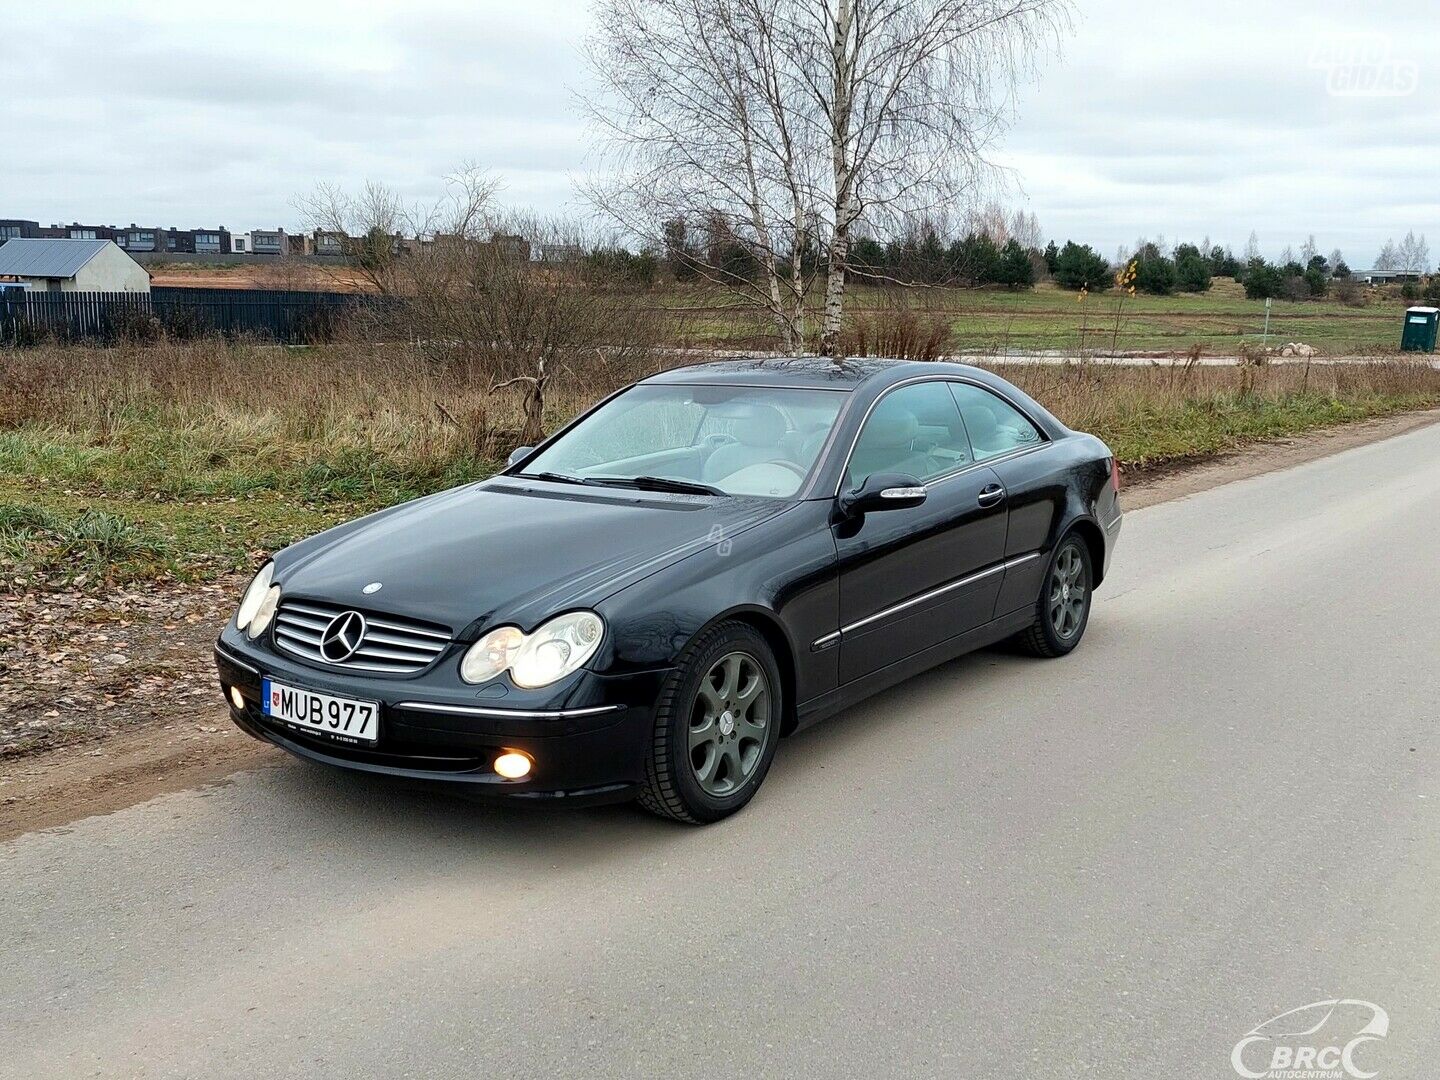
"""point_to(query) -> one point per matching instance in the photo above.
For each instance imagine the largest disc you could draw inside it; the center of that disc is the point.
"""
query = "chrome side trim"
(1112, 524)
(517, 714)
(895, 609)
(232, 658)
(914, 600)
(826, 641)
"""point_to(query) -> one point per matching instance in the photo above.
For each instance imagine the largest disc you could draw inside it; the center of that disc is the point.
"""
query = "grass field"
(188, 460)
(993, 321)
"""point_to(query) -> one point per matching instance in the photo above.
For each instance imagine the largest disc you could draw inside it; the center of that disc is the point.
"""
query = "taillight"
(1115, 476)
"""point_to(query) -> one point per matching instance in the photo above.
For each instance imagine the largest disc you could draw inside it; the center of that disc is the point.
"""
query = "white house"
(71, 266)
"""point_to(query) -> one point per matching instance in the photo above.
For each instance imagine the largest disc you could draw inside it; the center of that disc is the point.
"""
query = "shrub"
(1192, 273)
(1015, 270)
(1262, 281)
(1079, 266)
(1154, 273)
(1348, 292)
(975, 259)
(1317, 281)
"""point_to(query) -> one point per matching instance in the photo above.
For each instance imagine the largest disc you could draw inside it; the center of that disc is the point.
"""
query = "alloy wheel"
(1069, 592)
(729, 723)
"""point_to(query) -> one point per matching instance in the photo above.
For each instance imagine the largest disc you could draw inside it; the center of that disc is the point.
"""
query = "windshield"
(730, 440)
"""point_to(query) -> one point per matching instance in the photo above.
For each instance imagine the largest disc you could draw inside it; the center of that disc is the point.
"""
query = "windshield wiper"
(555, 477)
(657, 483)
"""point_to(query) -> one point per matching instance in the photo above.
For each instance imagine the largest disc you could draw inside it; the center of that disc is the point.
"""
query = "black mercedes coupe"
(644, 605)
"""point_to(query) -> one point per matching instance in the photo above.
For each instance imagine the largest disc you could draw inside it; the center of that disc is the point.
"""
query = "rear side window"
(994, 425)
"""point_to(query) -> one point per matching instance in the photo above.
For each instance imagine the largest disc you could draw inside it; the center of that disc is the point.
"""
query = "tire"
(717, 723)
(1061, 616)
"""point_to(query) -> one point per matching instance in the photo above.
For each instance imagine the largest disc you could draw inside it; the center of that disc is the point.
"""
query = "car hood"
(508, 550)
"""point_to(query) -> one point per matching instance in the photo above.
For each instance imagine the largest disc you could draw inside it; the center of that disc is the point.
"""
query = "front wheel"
(1063, 608)
(716, 726)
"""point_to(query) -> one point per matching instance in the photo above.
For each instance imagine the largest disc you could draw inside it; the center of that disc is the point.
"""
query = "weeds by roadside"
(185, 460)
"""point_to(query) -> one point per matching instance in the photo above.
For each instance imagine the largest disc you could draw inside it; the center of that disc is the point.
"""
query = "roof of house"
(25, 257)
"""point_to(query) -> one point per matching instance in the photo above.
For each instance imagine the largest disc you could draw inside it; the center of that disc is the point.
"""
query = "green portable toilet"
(1420, 326)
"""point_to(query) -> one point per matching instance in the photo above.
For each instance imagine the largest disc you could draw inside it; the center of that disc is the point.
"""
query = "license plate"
(342, 719)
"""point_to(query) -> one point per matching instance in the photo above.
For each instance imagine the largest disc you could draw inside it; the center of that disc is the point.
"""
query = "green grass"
(1198, 428)
(1047, 317)
(51, 538)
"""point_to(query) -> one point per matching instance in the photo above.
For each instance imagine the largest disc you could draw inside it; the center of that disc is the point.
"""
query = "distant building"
(201, 241)
(132, 238)
(330, 243)
(240, 243)
(268, 242)
(15, 229)
(1386, 277)
(51, 265)
(558, 253)
(76, 231)
(510, 246)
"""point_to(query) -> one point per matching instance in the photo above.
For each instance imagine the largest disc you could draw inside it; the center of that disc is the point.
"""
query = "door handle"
(990, 495)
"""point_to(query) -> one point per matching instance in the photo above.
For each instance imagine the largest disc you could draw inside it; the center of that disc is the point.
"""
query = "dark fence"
(293, 318)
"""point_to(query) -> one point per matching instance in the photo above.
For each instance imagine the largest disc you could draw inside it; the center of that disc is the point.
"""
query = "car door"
(912, 578)
(1006, 440)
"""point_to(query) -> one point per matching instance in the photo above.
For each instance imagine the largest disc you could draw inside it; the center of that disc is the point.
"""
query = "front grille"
(391, 646)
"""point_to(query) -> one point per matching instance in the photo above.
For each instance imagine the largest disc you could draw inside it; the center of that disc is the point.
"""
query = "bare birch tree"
(793, 121)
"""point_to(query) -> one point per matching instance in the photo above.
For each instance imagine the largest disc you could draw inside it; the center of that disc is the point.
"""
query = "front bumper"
(588, 747)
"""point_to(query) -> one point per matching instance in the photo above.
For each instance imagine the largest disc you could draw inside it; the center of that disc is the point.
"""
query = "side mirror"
(883, 491)
(519, 454)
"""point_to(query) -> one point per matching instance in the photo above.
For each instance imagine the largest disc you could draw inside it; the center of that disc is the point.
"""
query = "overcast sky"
(1185, 120)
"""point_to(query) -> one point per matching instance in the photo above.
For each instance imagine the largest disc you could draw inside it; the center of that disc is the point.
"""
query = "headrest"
(979, 421)
(890, 428)
(762, 425)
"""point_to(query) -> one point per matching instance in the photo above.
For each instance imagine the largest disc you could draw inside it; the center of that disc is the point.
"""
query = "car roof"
(810, 372)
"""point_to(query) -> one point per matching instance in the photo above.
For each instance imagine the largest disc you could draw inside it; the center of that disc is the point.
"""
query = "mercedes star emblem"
(343, 637)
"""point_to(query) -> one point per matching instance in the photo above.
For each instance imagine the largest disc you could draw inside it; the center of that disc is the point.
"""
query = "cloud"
(1175, 119)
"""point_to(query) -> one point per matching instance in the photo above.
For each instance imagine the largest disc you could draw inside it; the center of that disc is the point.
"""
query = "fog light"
(236, 699)
(512, 765)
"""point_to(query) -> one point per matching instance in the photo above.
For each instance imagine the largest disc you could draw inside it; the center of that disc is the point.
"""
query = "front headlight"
(262, 617)
(553, 651)
(492, 655)
(254, 596)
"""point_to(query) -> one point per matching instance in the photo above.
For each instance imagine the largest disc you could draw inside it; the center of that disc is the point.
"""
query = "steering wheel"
(796, 469)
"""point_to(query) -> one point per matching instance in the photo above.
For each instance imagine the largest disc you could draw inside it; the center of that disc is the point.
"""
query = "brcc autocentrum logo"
(1320, 1041)
(1364, 65)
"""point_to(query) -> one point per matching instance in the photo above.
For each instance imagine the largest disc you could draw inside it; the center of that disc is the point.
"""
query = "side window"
(915, 430)
(994, 425)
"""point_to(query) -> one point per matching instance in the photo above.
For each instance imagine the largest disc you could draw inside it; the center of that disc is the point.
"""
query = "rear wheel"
(1063, 608)
(716, 727)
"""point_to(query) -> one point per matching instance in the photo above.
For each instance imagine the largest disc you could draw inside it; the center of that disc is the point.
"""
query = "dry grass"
(1154, 413)
(187, 459)
(181, 418)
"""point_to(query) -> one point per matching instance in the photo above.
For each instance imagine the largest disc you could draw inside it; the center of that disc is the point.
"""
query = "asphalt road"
(1224, 806)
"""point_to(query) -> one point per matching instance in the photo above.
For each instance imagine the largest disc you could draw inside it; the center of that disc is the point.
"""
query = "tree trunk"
(835, 292)
(842, 74)
(532, 432)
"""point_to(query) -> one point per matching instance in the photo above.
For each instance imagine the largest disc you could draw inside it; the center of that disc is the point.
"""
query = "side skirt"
(828, 704)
